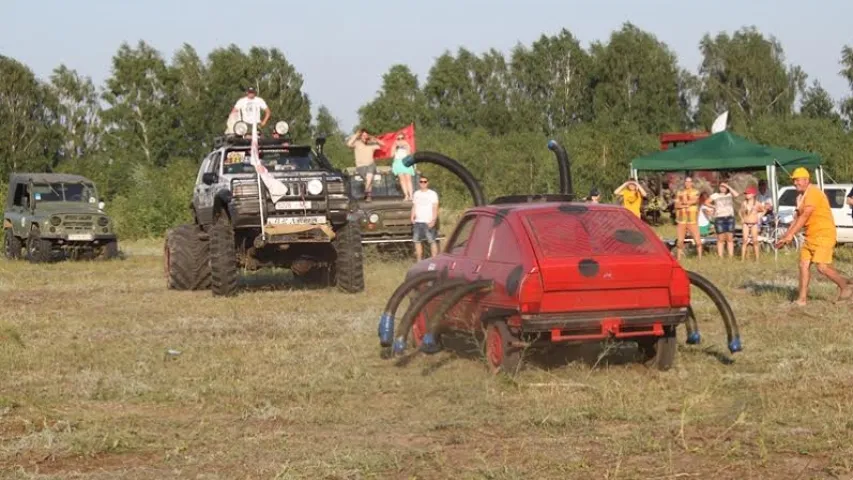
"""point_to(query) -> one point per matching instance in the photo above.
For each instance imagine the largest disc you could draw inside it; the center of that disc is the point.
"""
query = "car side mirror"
(209, 178)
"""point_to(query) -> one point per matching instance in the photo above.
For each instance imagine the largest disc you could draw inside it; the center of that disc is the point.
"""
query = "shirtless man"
(815, 215)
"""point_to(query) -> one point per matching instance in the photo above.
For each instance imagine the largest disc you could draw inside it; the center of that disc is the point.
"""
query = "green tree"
(326, 123)
(78, 113)
(817, 103)
(450, 93)
(550, 83)
(636, 80)
(29, 139)
(746, 74)
(193, 110)
(398, 103)
(140, 120)
(230, 71)
(847, 73)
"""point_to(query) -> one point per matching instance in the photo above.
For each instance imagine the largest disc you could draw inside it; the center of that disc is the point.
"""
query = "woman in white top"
(403, 150)
(724, 218)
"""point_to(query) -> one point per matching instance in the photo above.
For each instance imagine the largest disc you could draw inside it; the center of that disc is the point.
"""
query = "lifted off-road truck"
(48, 213)
(312, 230)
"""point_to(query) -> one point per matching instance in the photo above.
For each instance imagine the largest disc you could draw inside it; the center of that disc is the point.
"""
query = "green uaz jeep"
(49, 213)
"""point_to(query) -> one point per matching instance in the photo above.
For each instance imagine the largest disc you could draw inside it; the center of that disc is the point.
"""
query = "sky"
(343, 48)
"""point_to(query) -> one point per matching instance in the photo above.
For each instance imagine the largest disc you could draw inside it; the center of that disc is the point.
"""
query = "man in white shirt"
(249, 109)
(424, 215)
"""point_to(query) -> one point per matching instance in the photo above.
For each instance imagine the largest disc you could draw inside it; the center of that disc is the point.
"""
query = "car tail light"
(679, 288)
(531, 291)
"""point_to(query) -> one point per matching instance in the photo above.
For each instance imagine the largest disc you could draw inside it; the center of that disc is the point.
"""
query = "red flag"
(388, 139)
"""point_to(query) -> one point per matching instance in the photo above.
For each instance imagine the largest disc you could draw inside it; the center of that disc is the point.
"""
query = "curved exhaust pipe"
(562, 166)
(455, 167)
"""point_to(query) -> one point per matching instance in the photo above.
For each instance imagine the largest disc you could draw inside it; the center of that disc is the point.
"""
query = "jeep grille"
(78, 222)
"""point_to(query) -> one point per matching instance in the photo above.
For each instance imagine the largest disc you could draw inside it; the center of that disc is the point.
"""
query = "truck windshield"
(275, 160)
(384, 185)
(64, 192)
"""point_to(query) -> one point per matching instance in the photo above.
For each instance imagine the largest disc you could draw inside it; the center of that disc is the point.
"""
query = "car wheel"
(419, 329)
(109, 251)
(659, 352)
(12, 245)
(501, 355)
(38, 249)
(185, 258)
(348, 269)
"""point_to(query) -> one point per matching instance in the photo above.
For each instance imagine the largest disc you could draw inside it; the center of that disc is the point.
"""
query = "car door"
(454, 253)
(840, 213)
(206, 193)
(469, 266)
(17, 211)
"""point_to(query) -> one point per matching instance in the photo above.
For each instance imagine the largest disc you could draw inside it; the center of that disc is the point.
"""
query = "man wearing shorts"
(815, 215)
(687, 216)
(364, 146)
(424, 215)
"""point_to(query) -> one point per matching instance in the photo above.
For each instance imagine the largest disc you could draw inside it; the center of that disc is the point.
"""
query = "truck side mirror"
(209, 178)
(101, 205)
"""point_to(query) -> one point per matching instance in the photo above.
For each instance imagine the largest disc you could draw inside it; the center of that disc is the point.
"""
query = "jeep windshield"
(64, 192)
(384, 185)
(275, 160)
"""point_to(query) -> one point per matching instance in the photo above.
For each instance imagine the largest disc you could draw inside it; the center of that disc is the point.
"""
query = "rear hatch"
(600, 259)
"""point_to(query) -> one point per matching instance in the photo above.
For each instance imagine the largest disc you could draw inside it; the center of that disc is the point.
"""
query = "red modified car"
(561, 272)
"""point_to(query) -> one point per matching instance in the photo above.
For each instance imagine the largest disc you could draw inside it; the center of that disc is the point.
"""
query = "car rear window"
(585, 232)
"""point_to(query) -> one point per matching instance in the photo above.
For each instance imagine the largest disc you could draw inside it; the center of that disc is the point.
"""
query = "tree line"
(142, 133)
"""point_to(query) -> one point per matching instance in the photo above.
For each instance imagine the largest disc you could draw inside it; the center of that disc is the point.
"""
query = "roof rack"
(235, 140)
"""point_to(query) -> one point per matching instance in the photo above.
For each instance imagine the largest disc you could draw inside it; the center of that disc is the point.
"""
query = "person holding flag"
(364, 147)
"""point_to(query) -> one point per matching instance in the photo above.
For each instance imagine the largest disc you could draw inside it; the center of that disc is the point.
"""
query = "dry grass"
(289, 384)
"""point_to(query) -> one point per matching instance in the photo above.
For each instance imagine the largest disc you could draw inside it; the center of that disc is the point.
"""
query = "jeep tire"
(348, 270)
(223, 257)
(186, 259)
(12, 245)
(659, 352)
(109, 250)
(38, 249)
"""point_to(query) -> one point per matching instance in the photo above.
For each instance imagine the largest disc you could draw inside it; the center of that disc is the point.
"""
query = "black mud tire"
(12, 245)
(501, 355)
(347, 273)
(39, 250)
(659, 352)
(185, 258)
(109, 251)
(224, 271)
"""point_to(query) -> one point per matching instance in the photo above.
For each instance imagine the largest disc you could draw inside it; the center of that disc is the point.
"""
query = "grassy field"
(288, 383)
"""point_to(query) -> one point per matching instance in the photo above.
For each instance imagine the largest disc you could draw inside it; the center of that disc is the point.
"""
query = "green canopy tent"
(728, 151)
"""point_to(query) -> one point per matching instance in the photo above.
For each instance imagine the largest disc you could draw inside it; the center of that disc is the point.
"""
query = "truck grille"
(78, 222)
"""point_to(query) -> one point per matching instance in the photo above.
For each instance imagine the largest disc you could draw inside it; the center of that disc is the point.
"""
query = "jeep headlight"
(315, 187)
(281, 127)
(55, 220)
(241, 128)
(103, 221)
(374, 218)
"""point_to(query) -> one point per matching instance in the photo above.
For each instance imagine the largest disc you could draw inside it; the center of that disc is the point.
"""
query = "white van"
(842, 213)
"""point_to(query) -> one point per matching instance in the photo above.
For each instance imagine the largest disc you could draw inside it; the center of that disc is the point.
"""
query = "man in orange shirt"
(632, 199)
(815, 215)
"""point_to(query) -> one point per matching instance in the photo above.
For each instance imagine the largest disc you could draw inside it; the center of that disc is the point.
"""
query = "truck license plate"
(297, 220)
(300, 205)
(78, 237)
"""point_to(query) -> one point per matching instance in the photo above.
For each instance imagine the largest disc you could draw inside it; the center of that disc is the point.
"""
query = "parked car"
(841, 211)
(561, 272)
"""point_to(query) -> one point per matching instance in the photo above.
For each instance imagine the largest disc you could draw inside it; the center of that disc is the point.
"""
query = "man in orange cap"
(815, 215)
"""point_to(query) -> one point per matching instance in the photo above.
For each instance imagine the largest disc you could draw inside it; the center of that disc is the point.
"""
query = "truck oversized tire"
(223, 258)
(659, 352)
(186, 259)
(110, 250)
(348, 271)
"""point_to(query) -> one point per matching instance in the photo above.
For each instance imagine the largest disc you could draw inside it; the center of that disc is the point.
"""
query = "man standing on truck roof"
(249, 108)
(424, 216)
(815, 214)
(364, 145)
